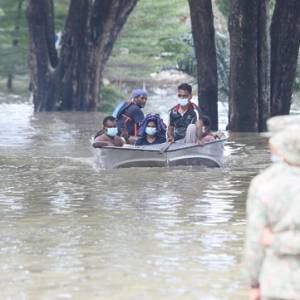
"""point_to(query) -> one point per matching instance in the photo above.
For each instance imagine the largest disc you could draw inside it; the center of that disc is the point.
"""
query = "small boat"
(161, 155)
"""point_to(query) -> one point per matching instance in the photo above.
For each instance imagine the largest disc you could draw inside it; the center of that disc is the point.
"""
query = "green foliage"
(13, 38)
(187, 61)
(224, 7)
(148, 41)
(110, 96)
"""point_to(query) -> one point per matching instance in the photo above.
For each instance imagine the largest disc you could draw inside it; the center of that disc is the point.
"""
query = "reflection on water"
(70, 231)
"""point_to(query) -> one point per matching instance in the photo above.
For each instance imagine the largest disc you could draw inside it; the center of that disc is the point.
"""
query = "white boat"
(161, 155)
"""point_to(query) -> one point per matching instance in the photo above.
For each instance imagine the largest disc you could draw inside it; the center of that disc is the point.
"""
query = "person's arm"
(101, 141)
(170, 130)
(256, 222)
(170, 133)
(198, 122)
(137, 117)
(199, 129)
(282, 243)
(100, 144)
(206, 139)
(118, 141)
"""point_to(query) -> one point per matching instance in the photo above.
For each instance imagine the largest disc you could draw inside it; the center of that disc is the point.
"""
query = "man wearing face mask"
(130, 115)
(108, 135)
(183, 114)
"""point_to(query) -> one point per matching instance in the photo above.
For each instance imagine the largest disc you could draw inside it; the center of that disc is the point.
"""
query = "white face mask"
(151, 130)
(183, 101)
(275, 159)
(112, 131)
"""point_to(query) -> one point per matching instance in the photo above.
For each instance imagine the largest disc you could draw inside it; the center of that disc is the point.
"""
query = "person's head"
(285, 144)
(110, 126)
(139, 97)
(152, 125)
(184, 94)
(277, 123)
(206, 123)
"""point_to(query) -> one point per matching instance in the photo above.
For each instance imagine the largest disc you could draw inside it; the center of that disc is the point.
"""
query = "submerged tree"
(204, 40)
(70, 79)
(285, 37)
(263, 69)
(249, 100)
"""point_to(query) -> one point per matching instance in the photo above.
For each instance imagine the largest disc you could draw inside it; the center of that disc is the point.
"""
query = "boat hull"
(163, 155)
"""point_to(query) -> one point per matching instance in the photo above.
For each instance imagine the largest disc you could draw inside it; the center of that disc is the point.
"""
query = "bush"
(110, 97)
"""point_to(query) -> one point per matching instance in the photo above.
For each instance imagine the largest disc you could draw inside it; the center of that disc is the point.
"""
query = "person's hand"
(254, 294)
(170, 140)
(199, 124)
(99, 144)
(267, 237)
(124, 133)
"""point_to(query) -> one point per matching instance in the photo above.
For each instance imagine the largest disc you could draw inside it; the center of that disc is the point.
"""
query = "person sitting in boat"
(183, 115)
(206, 135)
(130, 115)
(152, 131)
(108, 135)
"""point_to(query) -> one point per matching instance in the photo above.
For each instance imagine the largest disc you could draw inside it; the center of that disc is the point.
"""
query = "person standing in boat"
(273, 223)
(152, 131)
(130, 115)
(183, 115)
(108, 135)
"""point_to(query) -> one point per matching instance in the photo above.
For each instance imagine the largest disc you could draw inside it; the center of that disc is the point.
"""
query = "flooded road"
(71, 231)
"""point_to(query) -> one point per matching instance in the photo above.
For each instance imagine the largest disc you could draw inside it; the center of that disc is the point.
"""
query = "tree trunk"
(264, 65)
(204, 40)
(72, 80)
(43, 56)
(285, 41)
(249, 65)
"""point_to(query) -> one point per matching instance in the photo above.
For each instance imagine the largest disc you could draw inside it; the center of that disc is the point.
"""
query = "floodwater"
(71, 231)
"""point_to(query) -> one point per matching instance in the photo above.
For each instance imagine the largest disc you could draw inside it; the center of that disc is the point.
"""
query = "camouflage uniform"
(274, 202)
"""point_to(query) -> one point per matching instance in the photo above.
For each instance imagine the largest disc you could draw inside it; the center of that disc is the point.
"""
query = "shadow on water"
(70, 231)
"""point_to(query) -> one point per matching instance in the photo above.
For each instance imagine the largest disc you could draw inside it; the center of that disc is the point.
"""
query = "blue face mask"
(113, 131)
(151, 130)
(183, 101)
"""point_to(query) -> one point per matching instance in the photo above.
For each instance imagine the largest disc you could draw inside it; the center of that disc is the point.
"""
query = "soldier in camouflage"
(272, 250)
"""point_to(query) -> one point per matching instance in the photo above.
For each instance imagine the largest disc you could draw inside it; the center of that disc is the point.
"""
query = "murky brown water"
(70, 231)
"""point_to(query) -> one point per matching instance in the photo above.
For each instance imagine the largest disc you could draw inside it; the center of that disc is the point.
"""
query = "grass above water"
(148, 41)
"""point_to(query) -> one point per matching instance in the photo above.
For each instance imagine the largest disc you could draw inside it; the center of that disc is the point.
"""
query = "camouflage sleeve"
(286, 243)
(256, 221)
